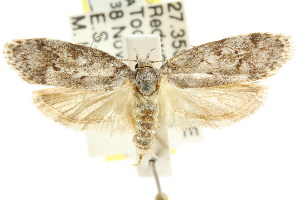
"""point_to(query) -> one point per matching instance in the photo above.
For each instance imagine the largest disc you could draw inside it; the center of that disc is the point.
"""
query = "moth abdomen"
(146, 117)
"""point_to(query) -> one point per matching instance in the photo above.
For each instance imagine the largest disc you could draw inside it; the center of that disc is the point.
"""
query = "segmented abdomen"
(146, 113)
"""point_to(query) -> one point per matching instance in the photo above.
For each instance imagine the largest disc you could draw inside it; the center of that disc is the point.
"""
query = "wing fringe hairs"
(213, 107)
(104, 111)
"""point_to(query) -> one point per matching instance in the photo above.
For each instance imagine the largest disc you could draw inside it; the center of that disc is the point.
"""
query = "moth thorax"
(146, 80)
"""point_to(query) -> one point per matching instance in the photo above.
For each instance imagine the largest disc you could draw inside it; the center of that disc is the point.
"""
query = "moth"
(211, 85)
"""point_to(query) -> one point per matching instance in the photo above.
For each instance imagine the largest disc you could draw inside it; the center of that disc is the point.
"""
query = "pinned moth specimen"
(211, 85)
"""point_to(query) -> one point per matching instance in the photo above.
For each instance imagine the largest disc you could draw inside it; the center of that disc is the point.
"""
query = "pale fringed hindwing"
(105, 111)
(214, 107)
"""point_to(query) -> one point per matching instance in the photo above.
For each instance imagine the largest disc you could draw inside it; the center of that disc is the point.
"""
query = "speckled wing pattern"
(92, 92)
(235, 59)
(58, 63)
(215, 84)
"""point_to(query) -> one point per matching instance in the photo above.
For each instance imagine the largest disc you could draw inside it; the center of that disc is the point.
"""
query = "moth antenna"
(155, 61)
(94, 39)
(148, 55)
(137, 55)
(127, 60)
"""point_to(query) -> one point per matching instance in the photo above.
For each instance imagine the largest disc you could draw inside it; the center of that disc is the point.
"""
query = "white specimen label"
(129, 17)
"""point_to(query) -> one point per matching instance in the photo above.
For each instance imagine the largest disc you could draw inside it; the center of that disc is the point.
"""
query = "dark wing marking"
(59, 63)
(231, 60)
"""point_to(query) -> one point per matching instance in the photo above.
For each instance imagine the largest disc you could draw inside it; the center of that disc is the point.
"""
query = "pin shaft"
(152, 164)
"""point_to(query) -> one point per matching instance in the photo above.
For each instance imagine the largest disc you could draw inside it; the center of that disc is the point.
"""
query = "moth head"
(143, 63)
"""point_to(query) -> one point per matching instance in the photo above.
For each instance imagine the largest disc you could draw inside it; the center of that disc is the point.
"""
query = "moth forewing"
(58, 63)
(231, 60)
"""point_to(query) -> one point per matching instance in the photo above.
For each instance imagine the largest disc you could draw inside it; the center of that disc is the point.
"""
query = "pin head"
(161, 196)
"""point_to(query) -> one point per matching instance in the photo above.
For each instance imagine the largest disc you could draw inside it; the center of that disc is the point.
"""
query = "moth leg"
(139, 160)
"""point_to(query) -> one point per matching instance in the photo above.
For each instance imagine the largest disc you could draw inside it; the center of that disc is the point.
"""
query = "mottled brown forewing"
(59, 63)
(235, 59)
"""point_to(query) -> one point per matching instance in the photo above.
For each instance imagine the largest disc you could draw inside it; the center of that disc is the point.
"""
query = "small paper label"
(129, 17)
(192, 134)
(103, 5)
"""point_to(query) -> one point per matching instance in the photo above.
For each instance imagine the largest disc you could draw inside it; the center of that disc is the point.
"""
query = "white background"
(257, 158)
